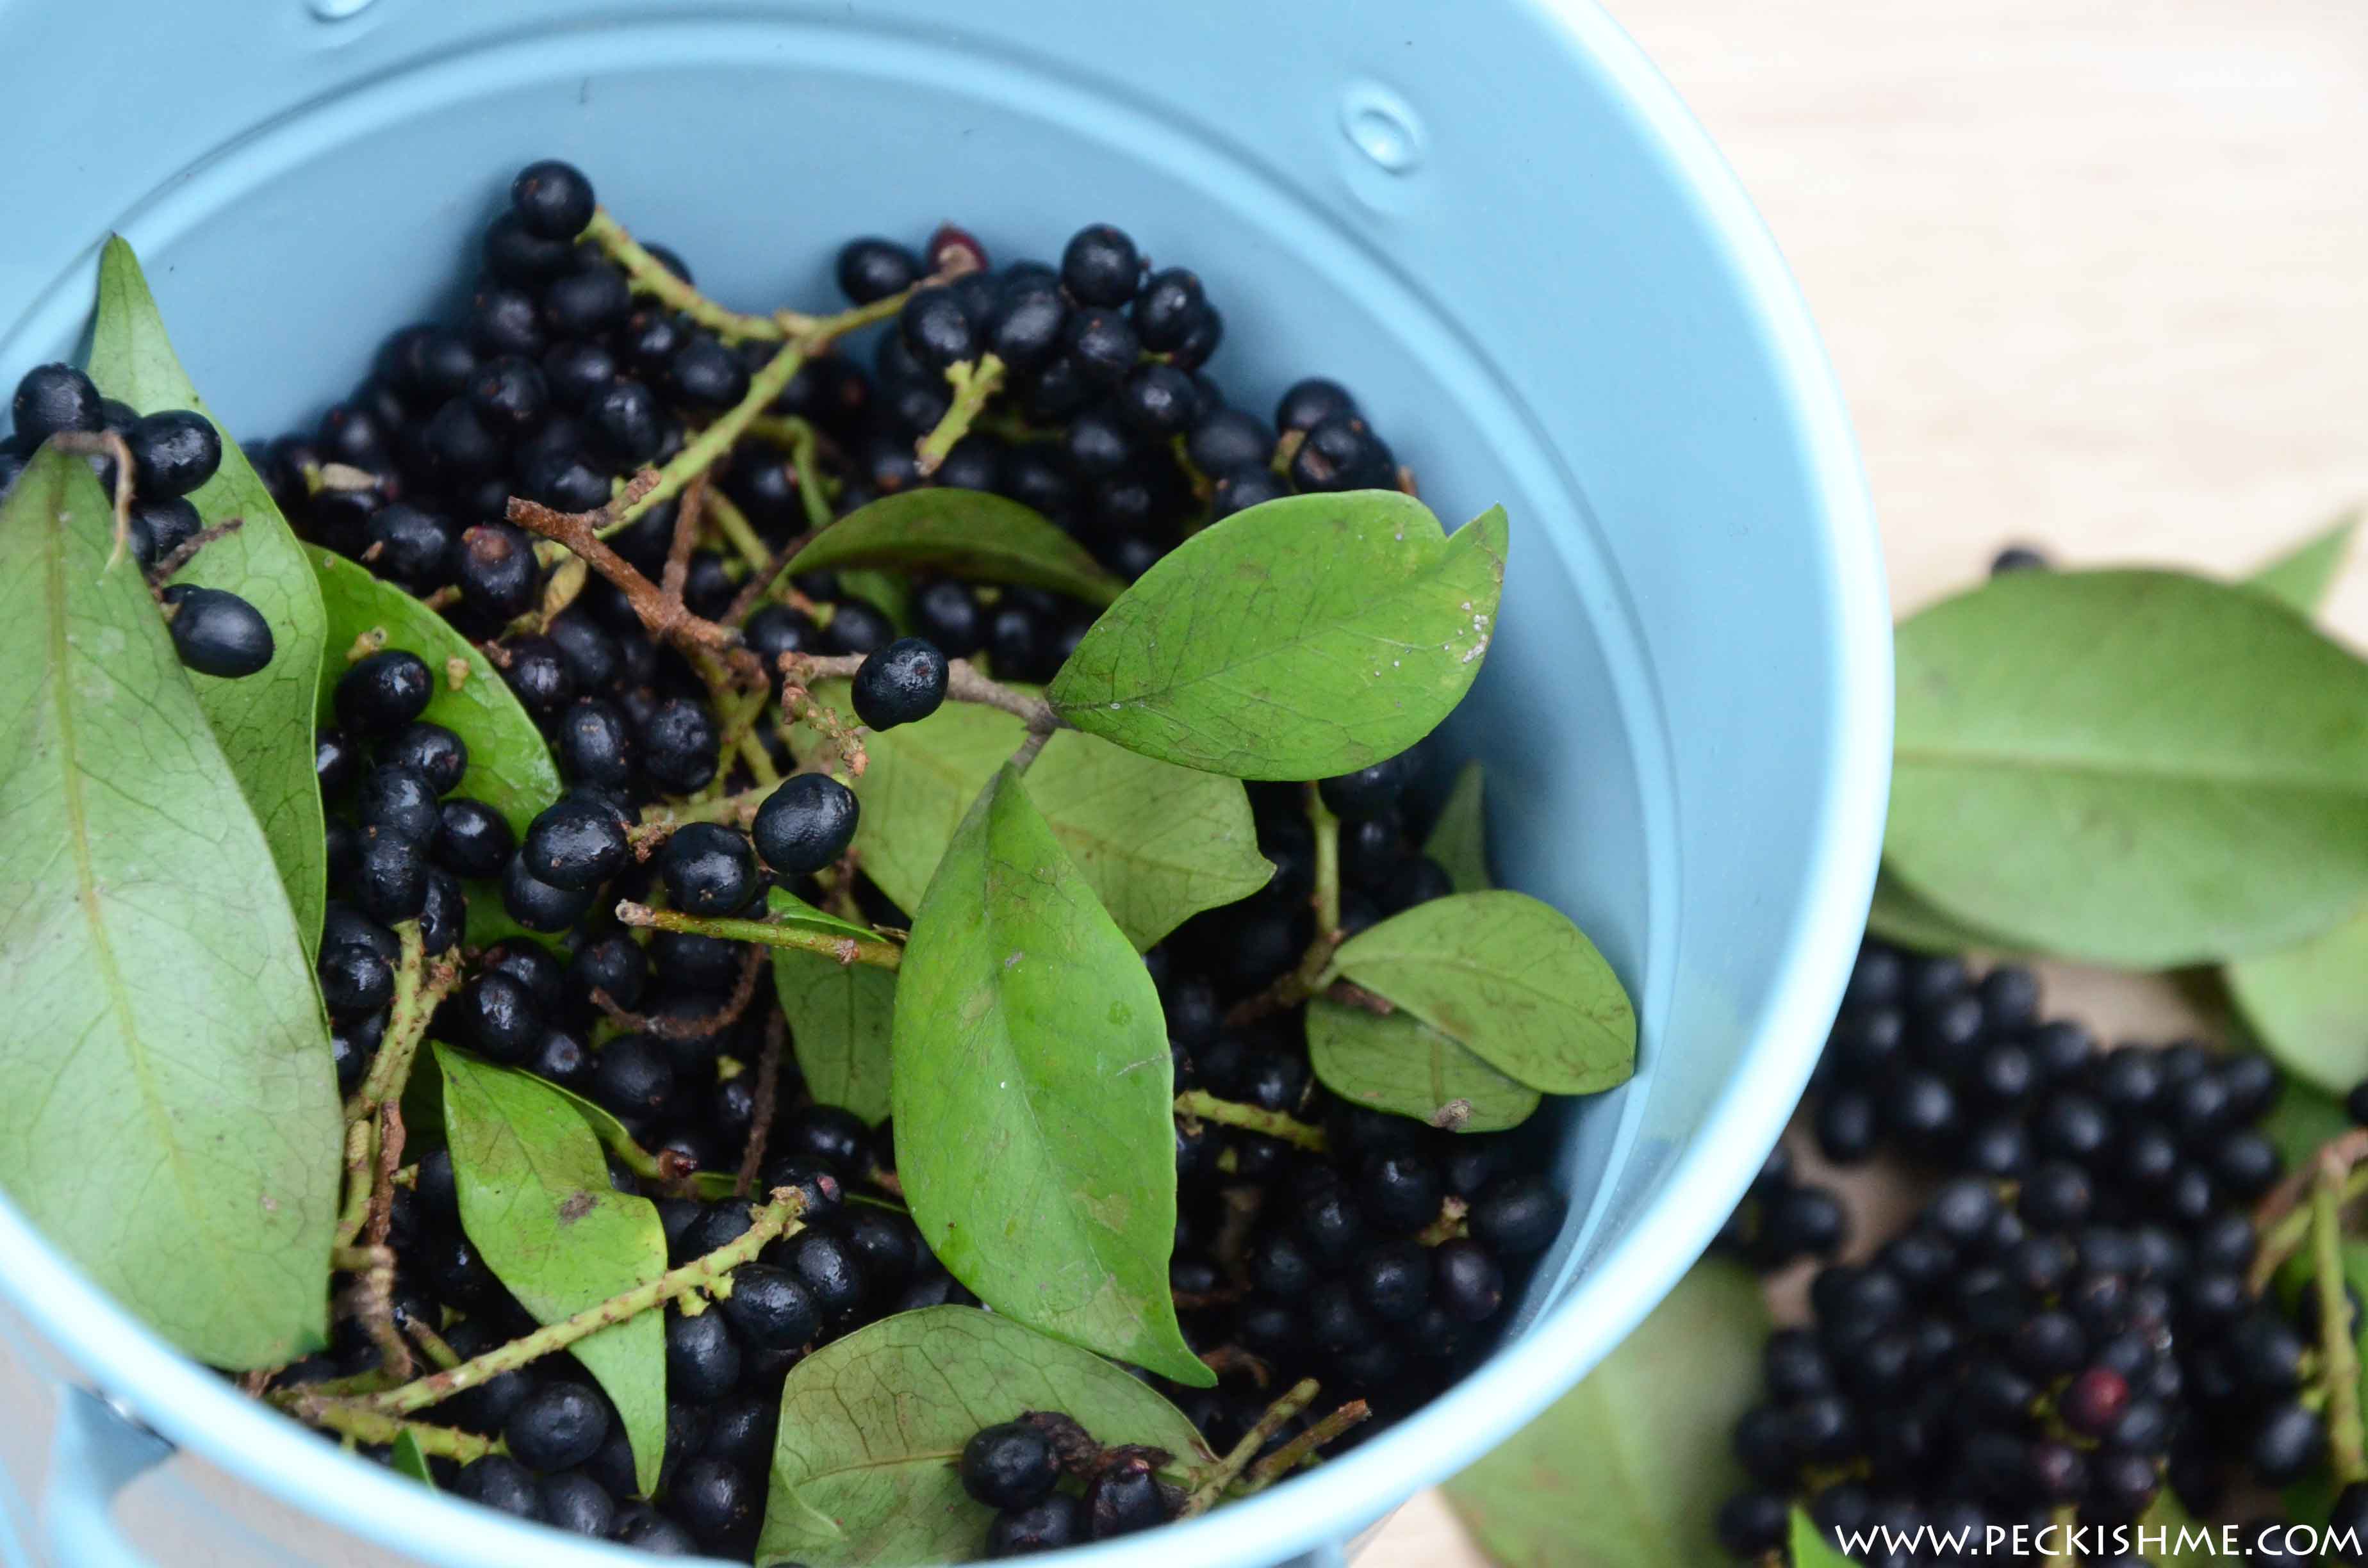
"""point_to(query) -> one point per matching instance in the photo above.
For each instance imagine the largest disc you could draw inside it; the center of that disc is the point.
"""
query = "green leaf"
(1459, 838)
(1901, 915)
(2303, 1120)
(863, 1469)
(1033, 1095)
(407, 1460)
(1302, 638)
(960, 533)
(840, 1014)
(2300, 578)
(789, 909)
(2309, 1005)
(1400, 1064)
(1157, 843)
(264, 721)
(1628, 1469)
(2136, 768)
(1512, 980)
(509, 766)
(1807, 1544)
(535, 1200)
(168, 1113)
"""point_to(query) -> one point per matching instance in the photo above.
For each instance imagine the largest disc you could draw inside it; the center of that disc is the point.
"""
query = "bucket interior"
(1460, 212)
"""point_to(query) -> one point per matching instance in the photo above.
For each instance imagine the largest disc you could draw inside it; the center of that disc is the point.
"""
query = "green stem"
(805, 456)
(368, 1426)
(1237, 1458)
(1255, 1118)
(846, 949)
(2283, 1239)
(739, 809)
(1328, 871)
(649, 275)
(418, 989)
(709, 446)
(737, 531)
(1301, 1449)
(362, 1148)
(706, 1274)
(973, 384)
(2338, 1354)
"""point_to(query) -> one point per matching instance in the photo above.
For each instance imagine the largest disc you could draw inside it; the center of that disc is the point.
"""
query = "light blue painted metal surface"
(1492, 219)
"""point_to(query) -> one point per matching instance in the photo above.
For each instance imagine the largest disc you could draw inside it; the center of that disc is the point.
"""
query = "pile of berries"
(1371, 1252)
(2067, 1324)
(1016, 1467)
(173, 453)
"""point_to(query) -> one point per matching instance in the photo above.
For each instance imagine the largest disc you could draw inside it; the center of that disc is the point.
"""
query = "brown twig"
(744, 991)
(677, 570)
(181, 554)
(760, 1126)
(389, 1155)
(1301, 1449)
(106, 444)
(369, 1301)
(1231, 1248)
(2280, 1219)
(665, 616)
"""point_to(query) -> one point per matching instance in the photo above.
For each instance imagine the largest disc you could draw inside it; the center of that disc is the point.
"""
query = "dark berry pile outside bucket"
(593, 485)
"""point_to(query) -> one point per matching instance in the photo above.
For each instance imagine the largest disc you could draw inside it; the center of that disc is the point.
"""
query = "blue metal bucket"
(1493, 219)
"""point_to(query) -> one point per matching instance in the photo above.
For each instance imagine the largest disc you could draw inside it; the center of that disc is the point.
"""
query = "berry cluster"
(2068, 1323)
(1016, 1467)
(1372, 1266)
(173, 453)
(1368, 1251)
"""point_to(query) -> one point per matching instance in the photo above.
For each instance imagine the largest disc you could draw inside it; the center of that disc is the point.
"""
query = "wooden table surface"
(2094, 274)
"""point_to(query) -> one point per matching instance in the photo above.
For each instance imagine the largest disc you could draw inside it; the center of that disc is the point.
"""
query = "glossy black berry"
(806, 825)
(552, 199)
(1517, 1216)
(1240, 489)
(1055, 1522)
(948, 616)
(769, 1309)
(577, 843)
(613, 964)
(872, 269)
(584, 303)
(215, 633)
(1101, 265)
(472, 839)
(858, 627)
(677, 744)
(557, 1426)
(398, 800)
(707, 375)
(500, 1484)
(1167, 310)
(594, 743)
(702, 1357)
(497, 1015)
(709, 869)
(902, 684)
(2289, 1441)
(719, 1502)
(1123, 1498)
(539, 905)
(1309, 402)
(495, 569)
(173, 451)
(937, 330)
(1010, 1465)
(1160, 400)
(51, 399)
(166, 523)
(1102, 345)
(1340, 453)
(355, 981)
(1026, 328)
